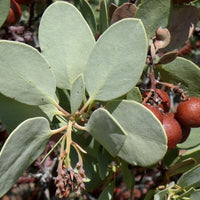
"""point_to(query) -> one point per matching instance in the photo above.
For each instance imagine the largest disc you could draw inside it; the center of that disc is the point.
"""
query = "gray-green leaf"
(184, 72)
(4, 10)
(106, 130)
(22, 147)
(146, 141)
(77, 93)
(66, 41)
(25, 74)
(117, 60)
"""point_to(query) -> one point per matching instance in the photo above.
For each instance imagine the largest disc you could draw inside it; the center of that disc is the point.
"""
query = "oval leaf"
(107, 193)
(184, 72)
(77, 93)
(22, 147)
(117, 60)
(146, 141)
(25, 75)
(66, 41)
(106, 130)
(4, 10)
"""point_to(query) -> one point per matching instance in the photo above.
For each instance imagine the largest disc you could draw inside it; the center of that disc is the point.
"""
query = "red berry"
(173, 131)
(14, 14)
(164, 99)
(155, 111)
(188, 112)
(24, 2)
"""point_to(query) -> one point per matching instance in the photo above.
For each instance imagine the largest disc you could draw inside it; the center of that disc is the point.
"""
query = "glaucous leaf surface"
(4, 10)
(21, 148)
(25, 74)
(195, 195)
(184, 72)
(117, 60)
(190, 178)
(77, 93)
(146, 141)
(66, 41)
(106, 130)
(13, 112)
(135, 95)
(154, 14)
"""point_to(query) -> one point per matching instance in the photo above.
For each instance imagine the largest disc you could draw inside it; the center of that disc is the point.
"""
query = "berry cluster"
(15, 11)
(177, 125)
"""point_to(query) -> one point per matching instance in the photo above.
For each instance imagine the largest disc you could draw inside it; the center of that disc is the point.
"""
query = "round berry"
(155, 111)
(188, 112)
(173, 131)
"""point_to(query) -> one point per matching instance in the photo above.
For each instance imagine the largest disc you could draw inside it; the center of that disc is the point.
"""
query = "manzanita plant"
(106, 100)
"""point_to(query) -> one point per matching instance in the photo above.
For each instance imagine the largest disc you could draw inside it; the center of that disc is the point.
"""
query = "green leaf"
(190, 178)
(192, 140)
(66, 42)
(25, 75)
(88, 14)
(4, 10)
(107, 192)
(146, 141)
(181, 167)
(106, 130)
(103, 16)
(129, 177)
(117, 60)
(135, 95)
(13, 112)
(195, 195)
(22, 147)
(77, 93)
(191, 153)
(184, 72)
(154, 13)
(103, 161)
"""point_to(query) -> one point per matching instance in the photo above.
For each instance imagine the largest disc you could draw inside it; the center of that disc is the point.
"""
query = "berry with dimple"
(163, 97)
(14, 14)
(188, 112)
(173, 131)
(25, 2)
(155, 111)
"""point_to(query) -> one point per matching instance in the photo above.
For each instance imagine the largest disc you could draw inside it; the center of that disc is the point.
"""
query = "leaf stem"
(52, 149)
(76, 125)
(68, 144)
(62, 110)
(85, 106)
(55, 131)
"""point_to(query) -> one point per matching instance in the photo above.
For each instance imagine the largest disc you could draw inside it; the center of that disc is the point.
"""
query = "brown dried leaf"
(112, 9)
(126, 10)
(181, 25)
(162, 38)
(168, 57)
